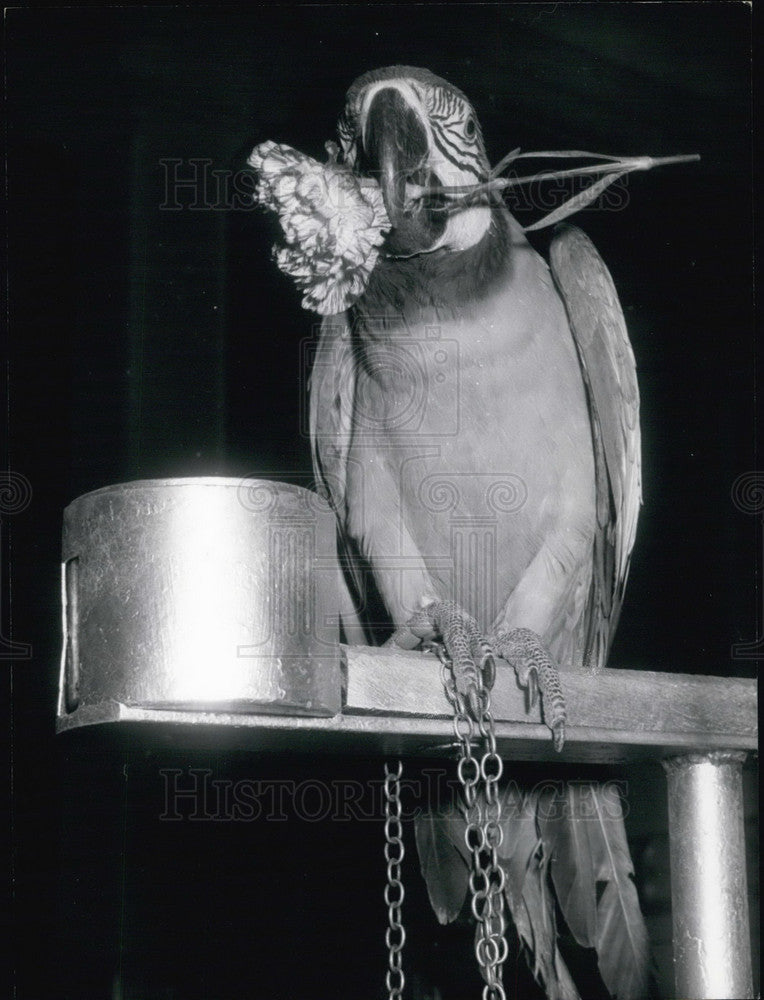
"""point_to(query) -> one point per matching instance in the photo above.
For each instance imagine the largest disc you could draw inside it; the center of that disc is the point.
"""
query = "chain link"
(395, 936)
(479, 778)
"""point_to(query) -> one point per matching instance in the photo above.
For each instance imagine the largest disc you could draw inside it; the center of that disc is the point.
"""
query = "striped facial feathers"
(417, 135)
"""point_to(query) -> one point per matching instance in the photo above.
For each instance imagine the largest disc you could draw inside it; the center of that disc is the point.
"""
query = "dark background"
(147, 342)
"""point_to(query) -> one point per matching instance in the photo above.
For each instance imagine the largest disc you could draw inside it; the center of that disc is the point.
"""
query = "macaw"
(475, 425)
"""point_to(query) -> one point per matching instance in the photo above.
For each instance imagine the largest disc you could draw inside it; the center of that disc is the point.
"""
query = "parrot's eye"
(470, 128)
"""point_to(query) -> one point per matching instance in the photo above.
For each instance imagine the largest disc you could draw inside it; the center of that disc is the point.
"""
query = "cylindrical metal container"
(209, 594)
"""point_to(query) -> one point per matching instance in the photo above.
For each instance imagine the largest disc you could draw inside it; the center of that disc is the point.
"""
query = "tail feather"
(439, 838)
(558, 846)
(584, 832)
(622, 942)
(566, 839)
(528, 893)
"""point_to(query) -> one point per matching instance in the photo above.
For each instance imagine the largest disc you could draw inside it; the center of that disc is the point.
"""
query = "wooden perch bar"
(616, 714)
(393, 702)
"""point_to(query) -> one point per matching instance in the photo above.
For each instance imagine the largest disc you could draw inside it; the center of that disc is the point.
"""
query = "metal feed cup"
(200, 594)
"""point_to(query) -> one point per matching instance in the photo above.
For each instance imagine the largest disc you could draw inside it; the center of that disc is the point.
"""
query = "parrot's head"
(409, 129)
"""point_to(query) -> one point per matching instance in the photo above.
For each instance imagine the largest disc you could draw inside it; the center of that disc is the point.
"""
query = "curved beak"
(395, 145)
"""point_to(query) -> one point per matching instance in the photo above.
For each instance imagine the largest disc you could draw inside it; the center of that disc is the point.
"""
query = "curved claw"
(532, 687)
(538, 675)
(487, 668)
(474, 702)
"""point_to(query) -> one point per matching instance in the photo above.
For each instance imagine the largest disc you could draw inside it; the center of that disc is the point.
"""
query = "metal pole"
(712, 942)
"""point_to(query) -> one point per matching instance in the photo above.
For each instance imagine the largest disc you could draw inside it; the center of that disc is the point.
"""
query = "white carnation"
(333, 224)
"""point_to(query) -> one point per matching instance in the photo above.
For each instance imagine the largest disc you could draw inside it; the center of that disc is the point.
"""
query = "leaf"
(444, 869)
(578, 201)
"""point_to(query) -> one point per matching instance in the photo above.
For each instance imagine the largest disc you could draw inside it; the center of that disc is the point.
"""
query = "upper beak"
(395, 145)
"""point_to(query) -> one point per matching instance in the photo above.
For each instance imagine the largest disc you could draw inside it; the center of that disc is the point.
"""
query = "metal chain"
(479, 778)
(395, 936)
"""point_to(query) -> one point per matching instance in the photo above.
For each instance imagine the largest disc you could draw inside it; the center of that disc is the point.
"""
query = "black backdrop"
(148, 342)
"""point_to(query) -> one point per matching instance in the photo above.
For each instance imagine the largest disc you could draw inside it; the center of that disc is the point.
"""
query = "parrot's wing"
(331, 389)
(609, 372)
(592, 870)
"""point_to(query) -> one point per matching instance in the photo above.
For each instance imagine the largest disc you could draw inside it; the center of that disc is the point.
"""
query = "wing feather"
(331, 387)
(609, 373)
(331, 391)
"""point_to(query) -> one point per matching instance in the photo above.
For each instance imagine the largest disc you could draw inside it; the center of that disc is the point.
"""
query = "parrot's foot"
(445, 623)
(535, 671)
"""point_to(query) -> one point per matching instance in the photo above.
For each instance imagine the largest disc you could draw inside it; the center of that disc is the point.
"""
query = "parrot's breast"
(472, 434)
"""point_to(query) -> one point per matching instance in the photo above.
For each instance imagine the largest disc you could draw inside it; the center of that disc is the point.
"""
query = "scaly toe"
(470, 654)
(536, 672)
